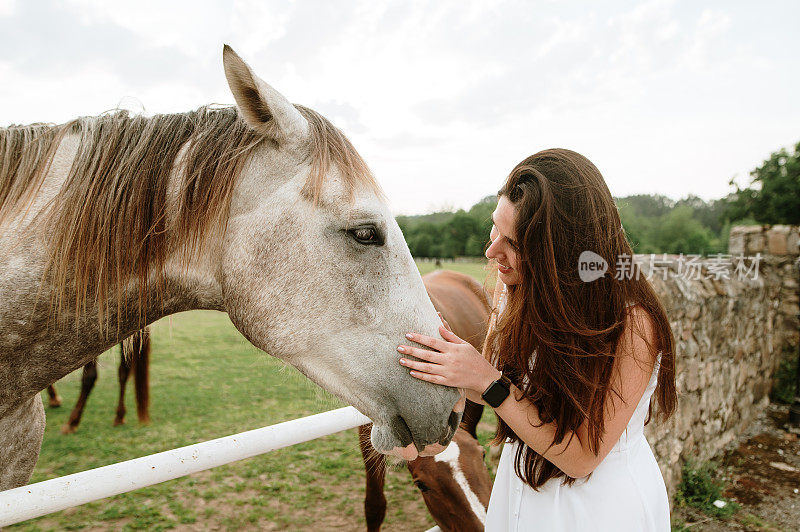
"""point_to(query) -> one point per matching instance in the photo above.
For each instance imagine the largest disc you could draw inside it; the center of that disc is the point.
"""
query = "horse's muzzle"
(411, 450)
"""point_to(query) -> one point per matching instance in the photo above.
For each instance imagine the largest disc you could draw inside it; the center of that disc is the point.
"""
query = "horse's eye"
(369, 236)
(422, 486)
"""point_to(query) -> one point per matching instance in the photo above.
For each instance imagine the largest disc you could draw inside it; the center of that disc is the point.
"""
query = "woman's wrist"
(475, 397)
(490, 375)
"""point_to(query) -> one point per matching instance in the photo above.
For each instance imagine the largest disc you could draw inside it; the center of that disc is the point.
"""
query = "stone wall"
(730, 331)
(780, 245)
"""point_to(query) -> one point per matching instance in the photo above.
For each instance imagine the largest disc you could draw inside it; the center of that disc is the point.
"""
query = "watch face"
(496, 394)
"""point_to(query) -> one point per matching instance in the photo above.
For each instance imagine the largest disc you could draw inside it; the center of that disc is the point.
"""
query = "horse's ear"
(262, 107)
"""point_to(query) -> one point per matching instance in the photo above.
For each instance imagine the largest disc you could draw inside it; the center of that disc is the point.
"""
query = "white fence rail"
(34, 500)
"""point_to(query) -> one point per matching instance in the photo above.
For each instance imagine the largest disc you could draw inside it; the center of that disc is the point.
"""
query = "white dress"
(626, 492)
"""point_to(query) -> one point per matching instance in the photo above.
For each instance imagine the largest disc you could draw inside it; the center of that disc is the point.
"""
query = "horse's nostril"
(438, 437)
(452, 426)
(402, 430)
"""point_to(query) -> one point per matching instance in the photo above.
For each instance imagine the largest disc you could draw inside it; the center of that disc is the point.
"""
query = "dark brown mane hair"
(109, 224)
(563, 207)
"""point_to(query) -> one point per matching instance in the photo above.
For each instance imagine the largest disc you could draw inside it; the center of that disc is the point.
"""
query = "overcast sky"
(443, 98)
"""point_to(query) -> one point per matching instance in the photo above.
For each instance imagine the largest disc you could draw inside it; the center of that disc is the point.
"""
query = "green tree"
(475, 246)
(773, 196)
(420, 245)
(457, 231)
(482, 213)
(637, 227)
(709, 213)
(680, 232)
(651, 205)
(444, 249)
(656, 224)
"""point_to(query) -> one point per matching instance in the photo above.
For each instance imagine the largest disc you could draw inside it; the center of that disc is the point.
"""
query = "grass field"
(476, 269)
(207, 381)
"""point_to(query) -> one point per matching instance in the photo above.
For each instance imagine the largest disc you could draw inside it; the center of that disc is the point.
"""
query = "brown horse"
(455, 484)
(134, 357)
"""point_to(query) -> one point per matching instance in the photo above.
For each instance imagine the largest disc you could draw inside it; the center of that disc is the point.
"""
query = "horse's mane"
(109, 222)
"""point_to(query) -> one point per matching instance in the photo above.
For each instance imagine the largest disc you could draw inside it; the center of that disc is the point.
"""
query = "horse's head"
(315, 270)
(455, 484)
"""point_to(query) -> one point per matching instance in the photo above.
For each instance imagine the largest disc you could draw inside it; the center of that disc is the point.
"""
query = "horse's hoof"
(54, 403)
(118, 422)
(144, 421)
(68, 429)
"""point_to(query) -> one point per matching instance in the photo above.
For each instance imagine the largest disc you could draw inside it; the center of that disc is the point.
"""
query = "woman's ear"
(262, 107)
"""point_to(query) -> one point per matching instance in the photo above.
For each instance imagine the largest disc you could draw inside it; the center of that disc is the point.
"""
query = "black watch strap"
(497, 392)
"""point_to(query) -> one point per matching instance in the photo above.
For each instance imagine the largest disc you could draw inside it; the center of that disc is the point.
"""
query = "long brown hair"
(557, 336)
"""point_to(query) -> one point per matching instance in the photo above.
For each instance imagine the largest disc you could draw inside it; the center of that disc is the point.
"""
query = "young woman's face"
(504, 249)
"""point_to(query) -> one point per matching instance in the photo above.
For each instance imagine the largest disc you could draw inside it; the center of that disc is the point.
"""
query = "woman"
(583, 358)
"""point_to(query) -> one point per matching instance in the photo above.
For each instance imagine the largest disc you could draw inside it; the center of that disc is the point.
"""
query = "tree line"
(653, 223)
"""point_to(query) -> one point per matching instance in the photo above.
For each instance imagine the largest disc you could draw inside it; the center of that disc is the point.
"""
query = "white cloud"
(183, 24)
(7, 7)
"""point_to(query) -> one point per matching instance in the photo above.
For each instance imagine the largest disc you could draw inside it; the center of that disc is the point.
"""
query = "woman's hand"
(454, 363)
(444, 321)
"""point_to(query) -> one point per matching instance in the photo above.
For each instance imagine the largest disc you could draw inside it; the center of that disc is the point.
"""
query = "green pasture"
(207, 381)
(476, 269)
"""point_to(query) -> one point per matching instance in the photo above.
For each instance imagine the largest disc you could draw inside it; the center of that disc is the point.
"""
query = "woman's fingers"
(424, 354)
(450, 336)
(435, 379)
(436, 343)
(444, 321)
(426, 367)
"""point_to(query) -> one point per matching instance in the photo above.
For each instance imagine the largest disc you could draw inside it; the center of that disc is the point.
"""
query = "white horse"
(109, 223)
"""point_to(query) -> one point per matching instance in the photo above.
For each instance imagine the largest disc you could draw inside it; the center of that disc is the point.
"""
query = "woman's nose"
(490, 251)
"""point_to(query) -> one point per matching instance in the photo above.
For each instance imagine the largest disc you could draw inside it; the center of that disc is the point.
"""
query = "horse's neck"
(36, 349)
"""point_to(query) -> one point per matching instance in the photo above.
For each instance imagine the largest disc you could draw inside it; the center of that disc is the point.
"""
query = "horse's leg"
(375, 466)
(141, 375)
(471, 418)
(54, 400)
(21, 433)
(122, 374)
(87, 383)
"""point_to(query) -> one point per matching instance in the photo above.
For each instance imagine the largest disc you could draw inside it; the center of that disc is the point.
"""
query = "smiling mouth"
(503, 268)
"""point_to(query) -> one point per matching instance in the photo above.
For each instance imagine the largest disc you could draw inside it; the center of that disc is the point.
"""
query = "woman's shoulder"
(639, 335)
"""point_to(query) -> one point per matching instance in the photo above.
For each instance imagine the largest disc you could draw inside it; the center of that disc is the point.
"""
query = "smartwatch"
(497, 392)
